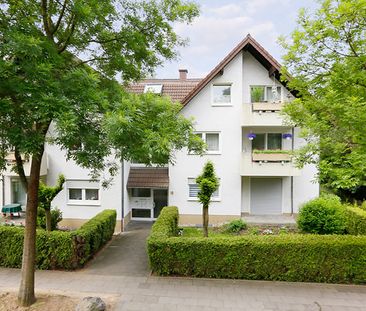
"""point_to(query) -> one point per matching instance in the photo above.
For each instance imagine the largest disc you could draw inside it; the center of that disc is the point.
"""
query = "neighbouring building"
(236, 108)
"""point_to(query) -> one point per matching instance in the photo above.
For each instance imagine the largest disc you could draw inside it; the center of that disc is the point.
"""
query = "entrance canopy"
(148, 177)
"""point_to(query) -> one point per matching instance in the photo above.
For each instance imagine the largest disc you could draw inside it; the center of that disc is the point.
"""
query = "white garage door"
(266, 196)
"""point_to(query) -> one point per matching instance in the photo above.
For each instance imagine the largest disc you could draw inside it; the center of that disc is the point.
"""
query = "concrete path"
(120, 272)
(125, 255)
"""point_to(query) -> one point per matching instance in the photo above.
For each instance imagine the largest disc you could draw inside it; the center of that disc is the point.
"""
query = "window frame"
(221, 104)
(203, 137)
(83, 189)
(265, 99)
(266, 141)
(213, 198)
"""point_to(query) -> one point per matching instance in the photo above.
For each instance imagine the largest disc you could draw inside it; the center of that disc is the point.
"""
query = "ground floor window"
(193, 190)
(83, 192)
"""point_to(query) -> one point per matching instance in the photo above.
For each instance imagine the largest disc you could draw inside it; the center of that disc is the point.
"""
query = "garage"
(266, 196)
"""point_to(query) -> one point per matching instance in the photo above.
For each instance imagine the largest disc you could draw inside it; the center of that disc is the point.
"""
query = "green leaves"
(326, 57)
(147, 128)
(208, 183)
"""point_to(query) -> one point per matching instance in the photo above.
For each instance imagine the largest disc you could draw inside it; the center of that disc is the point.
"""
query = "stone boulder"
(91, 304)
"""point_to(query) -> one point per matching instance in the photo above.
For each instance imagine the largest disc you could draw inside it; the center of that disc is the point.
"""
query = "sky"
(222, 24)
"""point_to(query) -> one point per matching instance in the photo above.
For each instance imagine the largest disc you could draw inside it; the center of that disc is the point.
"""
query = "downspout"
(2, 178)
(123, 194)
(292, 177)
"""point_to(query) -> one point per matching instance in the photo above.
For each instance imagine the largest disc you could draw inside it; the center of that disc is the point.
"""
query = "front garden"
(65, 250)
(329, 246)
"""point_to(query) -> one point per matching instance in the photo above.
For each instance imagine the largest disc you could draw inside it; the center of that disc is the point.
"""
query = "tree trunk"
(205, 221)
(26, 291)
(48, 219)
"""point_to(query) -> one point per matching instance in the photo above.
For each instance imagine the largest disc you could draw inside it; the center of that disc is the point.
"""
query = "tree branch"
(71, 26)
(20, 169)
(46, 19)
(60, 17)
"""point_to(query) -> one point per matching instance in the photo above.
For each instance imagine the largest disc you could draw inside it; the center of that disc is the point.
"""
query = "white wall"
(110, 198)
(226, 120)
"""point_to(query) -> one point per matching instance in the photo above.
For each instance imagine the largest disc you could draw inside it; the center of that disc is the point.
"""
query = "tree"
(46, 194)
(58, 61)
(326, 57)
(208, 183)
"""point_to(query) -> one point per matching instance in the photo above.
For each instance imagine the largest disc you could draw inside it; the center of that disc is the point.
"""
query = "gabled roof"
(176, 89)
(248, 44)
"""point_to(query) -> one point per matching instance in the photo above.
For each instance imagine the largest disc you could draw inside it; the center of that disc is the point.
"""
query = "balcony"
(262, 114)
(10, 159)
(268, 163)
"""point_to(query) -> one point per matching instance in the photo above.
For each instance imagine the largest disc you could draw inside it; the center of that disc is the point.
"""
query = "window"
(83, 192)
(262, 93)
(221, 94)
(18, 193)
(212, 141)
(267, 141)
(153, 88)
(140, 193)
(193, 190)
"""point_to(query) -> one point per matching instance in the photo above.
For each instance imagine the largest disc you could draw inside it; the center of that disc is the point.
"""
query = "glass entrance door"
(160, 200)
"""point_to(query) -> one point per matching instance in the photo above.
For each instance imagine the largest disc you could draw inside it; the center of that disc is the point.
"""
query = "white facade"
(251, 181)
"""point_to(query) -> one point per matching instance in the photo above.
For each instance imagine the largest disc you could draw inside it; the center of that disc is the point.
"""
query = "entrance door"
(160, 200)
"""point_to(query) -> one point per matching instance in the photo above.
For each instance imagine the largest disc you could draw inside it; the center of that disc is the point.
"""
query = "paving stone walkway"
(121, 271)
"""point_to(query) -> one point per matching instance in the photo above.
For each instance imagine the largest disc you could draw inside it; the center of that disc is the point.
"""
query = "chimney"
(183, 74)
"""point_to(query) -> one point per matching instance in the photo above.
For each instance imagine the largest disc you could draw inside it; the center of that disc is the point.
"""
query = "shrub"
(56, 217)
(355, 220)
(323, 215)
(302, 258)
(235, 226)
(58, 249)
(167, 223)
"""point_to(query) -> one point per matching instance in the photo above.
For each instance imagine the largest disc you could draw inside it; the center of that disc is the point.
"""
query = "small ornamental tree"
(208, 184)
(46, 194)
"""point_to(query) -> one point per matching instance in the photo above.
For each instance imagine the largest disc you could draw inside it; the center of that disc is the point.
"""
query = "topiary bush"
(56, 217)
(235, 226)
(323, 215)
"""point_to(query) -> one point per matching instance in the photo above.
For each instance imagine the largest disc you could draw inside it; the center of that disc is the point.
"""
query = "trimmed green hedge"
(355, 220)
(59, 249)
(301, 258)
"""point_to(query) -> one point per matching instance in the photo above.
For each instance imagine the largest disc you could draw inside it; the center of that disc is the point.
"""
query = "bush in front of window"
(56, 217)
(59, 249)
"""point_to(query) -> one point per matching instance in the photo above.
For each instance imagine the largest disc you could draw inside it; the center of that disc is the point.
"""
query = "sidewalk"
(121, 271)
(155, 293)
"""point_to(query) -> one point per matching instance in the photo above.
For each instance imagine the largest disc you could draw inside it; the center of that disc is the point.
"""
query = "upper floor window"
(267, 141)
(261, 93)
(212, 141)
(83, 192)
(221, 94)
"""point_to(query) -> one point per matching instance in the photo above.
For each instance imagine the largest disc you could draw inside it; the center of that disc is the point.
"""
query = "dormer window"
(221, 94)
(153, 88)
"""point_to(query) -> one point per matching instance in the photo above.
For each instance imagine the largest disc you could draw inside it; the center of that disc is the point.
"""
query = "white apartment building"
(236, 109)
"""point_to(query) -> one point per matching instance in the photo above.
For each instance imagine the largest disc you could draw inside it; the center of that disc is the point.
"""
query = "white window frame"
(84, 186)
(192, 181)
(266, 141)
(203, 133)
(265, 92)
(222, 104)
